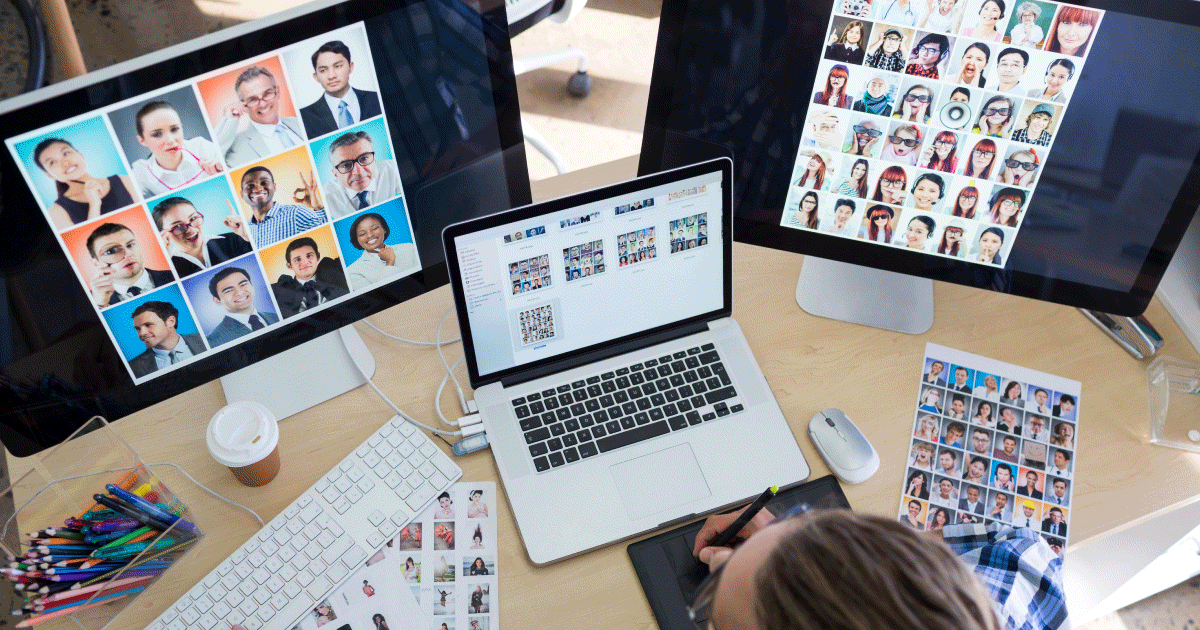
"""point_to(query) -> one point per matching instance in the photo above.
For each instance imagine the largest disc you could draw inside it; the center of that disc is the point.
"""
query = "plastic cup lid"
(242, 433)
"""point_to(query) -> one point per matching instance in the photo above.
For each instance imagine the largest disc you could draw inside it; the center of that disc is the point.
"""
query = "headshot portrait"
(935, 372)
(875, 93)
(231, 300)
(930, 57)
(970, 64)
(166, 142)
(996, 117)
(903, 141)
(252, 112)
(941, 154)
(1064, 406)
(1055, 522)
(847, 40)
(1057, 81)
(478, 565)
(953, 239)
(987, 386)
(1036, 123)
(806, 213)
(814, 170)
(991, 245)
(333, 80)
(982, 163)
(357, 168)
(926, 194)
(1060, 491)
(1029, 22)
(999, 506)
(1012, 419)
(1072, 31)
(119, 257)
(980, 442)
(912, 513)
(1006, 449)
(1020, 167)
(866, 136)
(306, 270)
(1027, 513)
(1009, 69)
(1030, 483)
(984, 414)
(944, 16)
(279, 197)
(889, 46)
(377, 245)
(917, 484)
(972, 501)
(858, 178)
(77, 173)
(928, 427)
(1038, 399)
(1003, 476)
(961, 378)
(917, 231)
(921, 455)
(985, 20)
(825, 129)
(1061, 462)
(916, 101)
(879, 221)
(1006, 206)
(200, 226)
(834, 90)
(154, 332)
(964, 199)
(945, 491)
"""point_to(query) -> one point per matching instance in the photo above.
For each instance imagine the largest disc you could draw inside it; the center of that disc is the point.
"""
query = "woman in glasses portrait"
(175, 160)
(915, 104)
(806, 214)
(952, 240)
(892, 186)
(884, 53)
(979, 163)
(995, 117)
(864, 139)
(1020, 169)
(965, 203)
(903, 145)
(835, 94)
(1006, 206)
(879, 224)
(927, 55)
(941, 155)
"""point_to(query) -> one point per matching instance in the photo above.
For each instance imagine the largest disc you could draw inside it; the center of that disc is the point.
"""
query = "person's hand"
(876, 42)
(93, 191)
(308, 194)
(211, 167)
(102, 285)
(164, 237)
(716, 556)
(235, 110)
(926, 155)
(234, 222)
(388, 255)
(832, 39)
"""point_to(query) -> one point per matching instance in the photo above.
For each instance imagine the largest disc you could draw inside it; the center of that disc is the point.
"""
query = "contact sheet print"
(929, 122)
(991, 443)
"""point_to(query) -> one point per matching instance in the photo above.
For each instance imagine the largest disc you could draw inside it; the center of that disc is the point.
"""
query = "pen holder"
(1174, 403)
(59, 484)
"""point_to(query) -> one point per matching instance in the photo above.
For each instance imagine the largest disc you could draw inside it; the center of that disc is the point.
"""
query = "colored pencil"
(54, 615)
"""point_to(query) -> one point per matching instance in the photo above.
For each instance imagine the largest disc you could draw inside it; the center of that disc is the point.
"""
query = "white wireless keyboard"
(323, 537)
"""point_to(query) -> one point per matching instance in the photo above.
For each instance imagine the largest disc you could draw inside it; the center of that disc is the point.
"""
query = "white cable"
(437, 399)
(413, 342)
(401, 413)
(462, 400)
(205, 488)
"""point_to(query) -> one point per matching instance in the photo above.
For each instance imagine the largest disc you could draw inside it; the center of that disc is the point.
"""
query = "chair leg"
(525, 63)
(535, 138)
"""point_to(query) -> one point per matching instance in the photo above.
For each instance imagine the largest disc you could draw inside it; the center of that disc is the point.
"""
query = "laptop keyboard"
(617, 408)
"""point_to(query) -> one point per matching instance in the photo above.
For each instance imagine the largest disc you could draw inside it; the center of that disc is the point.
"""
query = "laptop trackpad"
(659, 481)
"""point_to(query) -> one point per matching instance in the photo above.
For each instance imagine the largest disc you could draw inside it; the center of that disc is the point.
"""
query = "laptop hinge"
(605, 353)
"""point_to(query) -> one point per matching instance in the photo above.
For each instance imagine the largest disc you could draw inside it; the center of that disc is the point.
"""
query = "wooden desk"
(811, 364)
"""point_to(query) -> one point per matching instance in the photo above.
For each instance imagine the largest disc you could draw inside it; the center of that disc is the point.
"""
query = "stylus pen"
(724, 537)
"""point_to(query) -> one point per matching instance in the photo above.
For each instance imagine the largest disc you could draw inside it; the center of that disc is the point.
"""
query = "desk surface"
(811, 363)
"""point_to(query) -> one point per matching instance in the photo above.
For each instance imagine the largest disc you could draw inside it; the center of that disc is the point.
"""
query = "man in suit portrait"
(314, 280)
(120, 274)
(181, 226)
(362, 180)
(341, 105)
(231, 288)
(1054, 523)
(268, 133)
(972, 502)
(156, 324)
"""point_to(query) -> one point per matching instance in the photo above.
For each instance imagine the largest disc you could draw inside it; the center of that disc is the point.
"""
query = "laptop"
(618, 393)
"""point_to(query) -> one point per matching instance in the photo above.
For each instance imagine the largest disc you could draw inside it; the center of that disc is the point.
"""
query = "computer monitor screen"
(1021, 146)
(179, 217)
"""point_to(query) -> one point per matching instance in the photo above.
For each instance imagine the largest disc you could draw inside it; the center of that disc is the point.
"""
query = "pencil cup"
(245, 437)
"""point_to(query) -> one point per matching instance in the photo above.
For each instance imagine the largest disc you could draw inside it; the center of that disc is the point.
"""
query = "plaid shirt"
(1018, 568)
(1022, 135)
(284, 221)
(883, 61)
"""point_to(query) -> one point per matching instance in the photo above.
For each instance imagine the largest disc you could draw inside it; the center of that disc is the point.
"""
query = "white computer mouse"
(843, 446)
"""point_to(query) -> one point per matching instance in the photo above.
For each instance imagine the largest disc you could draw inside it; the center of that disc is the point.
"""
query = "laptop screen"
(572, 275)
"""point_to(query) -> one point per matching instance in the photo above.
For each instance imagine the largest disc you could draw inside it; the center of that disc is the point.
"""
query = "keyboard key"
(621, 397)
(710, 357)
(642, 417)
(657, 414)
(718, 395)
(662, 384)
(736, 408)
(587, 450)
(708, 346)
(644, 404)
(599, 431)
(679, 355)
(693, 417)
(541, 464)
(710, 416)
(665, 359)
(722, 409)
(677, 380)
(692, 362)
(517, 402)
(578, 409)
(615, 412)
(627, 422)
(629, 408)
(592, 405)
(551, 403)
(635, 392)
(599, 416)
(570, 440)
(592, 380)
(684, 405)
(556, 459)
(612, 426)
(678, 367)
(537, 407)
(658, 400)
(565, 400)
(587, 420)
(529, 424)
(571, 425)
(677, 422)
(571, 455)
(651, 362)
(636, 378)
(622, 371)
(576, 385)
(704, 371)
(537, 435)
(584, 435)
(713, 383)
(554, 444)
(632, 436)
(563, 388)
(664, 370)
(534, 396)
(562, 413)
(579, 395)
(548, 393)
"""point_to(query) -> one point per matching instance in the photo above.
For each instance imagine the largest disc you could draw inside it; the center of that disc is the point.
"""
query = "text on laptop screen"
(572, 279)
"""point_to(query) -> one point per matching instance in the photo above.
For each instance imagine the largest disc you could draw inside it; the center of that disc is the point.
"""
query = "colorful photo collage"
(579, 220)
(584, 260)
(537, 325)
(376, 597)
(991, 442)
(928, 128)
(529, 274)
(633, 207)
(636, 247)
(524, 234)
(448, 557)
(689, 232)
(202, 213)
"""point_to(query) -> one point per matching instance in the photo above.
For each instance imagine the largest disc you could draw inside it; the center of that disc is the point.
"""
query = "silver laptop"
(618, 393)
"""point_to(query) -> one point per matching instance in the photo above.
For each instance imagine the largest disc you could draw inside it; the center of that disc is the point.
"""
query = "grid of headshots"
(584, 260)
(928, 128)
(689, 232)
(579, 220)
(537, 325)
(529, 274)
(633, 207)
(989, 447)
(203, 212)
(524, 234)
(635, 247)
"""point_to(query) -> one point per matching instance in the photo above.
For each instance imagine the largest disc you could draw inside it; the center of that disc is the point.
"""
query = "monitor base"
(305, 376)
(862, 295)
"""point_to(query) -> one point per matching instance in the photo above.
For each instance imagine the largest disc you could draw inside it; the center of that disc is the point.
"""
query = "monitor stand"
(304, 376)
(867, 296)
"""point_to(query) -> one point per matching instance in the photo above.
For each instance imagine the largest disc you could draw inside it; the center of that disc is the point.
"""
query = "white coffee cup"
(245, 437)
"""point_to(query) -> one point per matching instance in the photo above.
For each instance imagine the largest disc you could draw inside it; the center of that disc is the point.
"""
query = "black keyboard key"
(537, 435)
(698, 402)
(693, 417)
(627, 422)
(651, 362)
(692, 363)
(672, 395)
(691, 376)
(662, 384)
(686, 391)
(584, 435)
(592, 380)
(692, 351)
(722, 409)
(671, 409)
(609, 387)
(569, 439)
(552, 403)
(713, 383)
(621, 397)
(622, 371)
(548, 393)
(537, 407)
(522, 411)
(708, 346)
(562, 413)
(642, 417)
(636, 366)
(541, 464)
(724, 376)
(684, 405)
(538, 449)
(614, 412)
(518, 401)
(592, 404)
(548, 417)
(555, 444)
(623, 382)
(607, 401)
(633, 436)
(587, 450)
(680, 354)
(557, 429)
(677, 422)
(600, 416)
(635, 392)
(658, 400)
(710, 357)
(601, 430)
(578, 409)
(556, 459)
(571, 455)
(629, 408)
(643, 404)
(650, 375)
(529, 424)
(570, 425)
(577, 385)
(579, 395)
(678, 366)
(718, 395)
(664, 359)
(710, 416)
(649, 388)
(594, 391)
(736, 408)
(565, 399)
(677, 380)
(699, 387)
(586, 420)
(612, 426)
(608, 376)
(704, 371)
(664, 370)
(656, 414)
(562, 389)
(534, 396)
(636, 378)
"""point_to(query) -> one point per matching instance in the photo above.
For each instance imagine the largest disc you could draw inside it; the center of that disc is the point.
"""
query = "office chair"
(523, 14)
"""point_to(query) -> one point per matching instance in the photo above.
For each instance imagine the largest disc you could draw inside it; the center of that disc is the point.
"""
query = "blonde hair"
(843, 569)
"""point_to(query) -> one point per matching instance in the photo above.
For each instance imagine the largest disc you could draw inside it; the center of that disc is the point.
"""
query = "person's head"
(302, 256)
(476, 495)
(877, 87)
(948, 459)
(946, 487)
(159, 129)
(1062, 459)
(786, 577)
(1028, 12)
(155, 323)
(1031, 479)
(928, 190)
(985, 410)
(972, 491)
(975, 59)
(180, 219)
(918, 478)
(369, 232)
(919, 229)
(258, 188)
(843, 209)
(981, 440)
(1058, 73)
(1012, 391)
(961, 94)
(1001, 498)
(960, 375)
(1060, 487)
(940, 518)
(906, 138)
(1028, 507)
(964, 203)
(1037, 424)
(376, 618)
(977, 468)
(1007, 202)
(1056, 515)
(924, 451)
(478, 535)
(879, 217)
(951, 242)
(931, 397)
(892, 183)
(931, 50)
(865, 133)
(1041, 396)
(835, 83)
(852, 34)
(61, 161)
(332, 67)
(323, 609)
(1009, 443)
(1072, 31)
(1065, 432)
(409, 564)
(958, 404)
(929, 425)
(991, 12)
(996, 114)
(444, 500)
(892, 39)
(478, 564)
(258, 90)
(232, 289)
(945, 144)
(989, 382)
(990, 241)
(914, 106)
(352, 157)
(1010, 65)
(808, 203)
(936, 368)
(114, 246)
(983, 156)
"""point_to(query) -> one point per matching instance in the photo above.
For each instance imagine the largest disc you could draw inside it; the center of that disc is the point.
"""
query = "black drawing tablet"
(670, 575)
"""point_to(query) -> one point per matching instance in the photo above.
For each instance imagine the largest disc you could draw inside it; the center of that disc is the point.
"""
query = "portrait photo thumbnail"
(242, 288)
(305, 271)
(377, 245)
(537, 325)
(238, 99)
(529, 274)
(579, 220)
(689, 232)
(123, 324)
(633, 206)
(583, 260)
(521, 235)
(357, 168)
(199, 223)
(118, 256)
(636, 247)
(318, 74)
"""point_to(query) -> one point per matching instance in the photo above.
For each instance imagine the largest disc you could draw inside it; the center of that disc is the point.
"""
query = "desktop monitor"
(179, 217)
(1043, 149)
